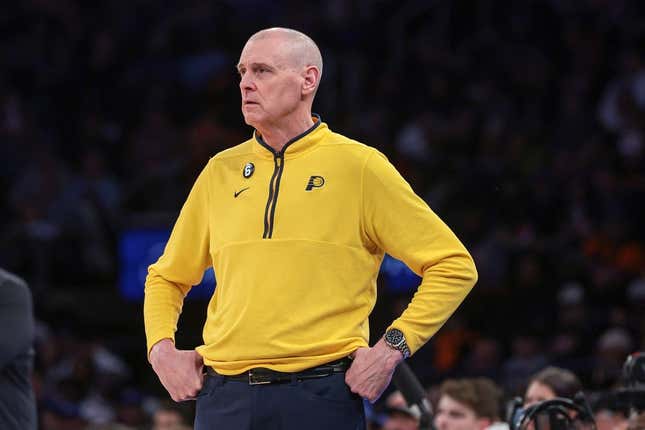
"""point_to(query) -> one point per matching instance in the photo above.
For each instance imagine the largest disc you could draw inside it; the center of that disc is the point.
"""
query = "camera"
(563, 414)
(632, 396)
(634, 370)
(553, 414)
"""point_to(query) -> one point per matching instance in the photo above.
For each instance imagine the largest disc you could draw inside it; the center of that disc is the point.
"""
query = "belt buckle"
(255, 379)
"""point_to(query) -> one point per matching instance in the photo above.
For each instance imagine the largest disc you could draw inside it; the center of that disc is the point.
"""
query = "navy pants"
(313, 404)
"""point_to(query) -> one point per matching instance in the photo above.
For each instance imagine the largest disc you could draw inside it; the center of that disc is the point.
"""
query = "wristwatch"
(394, 338)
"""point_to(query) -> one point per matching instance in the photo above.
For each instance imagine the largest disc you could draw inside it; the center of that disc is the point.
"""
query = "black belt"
(261, 375)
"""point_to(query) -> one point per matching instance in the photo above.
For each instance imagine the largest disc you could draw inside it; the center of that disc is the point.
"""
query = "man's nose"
(246, 82)
(439, 422)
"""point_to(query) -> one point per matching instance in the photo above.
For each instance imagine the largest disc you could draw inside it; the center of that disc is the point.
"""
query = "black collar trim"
(298, 137)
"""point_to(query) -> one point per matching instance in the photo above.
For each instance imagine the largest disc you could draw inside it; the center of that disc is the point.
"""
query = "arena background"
(520, 122)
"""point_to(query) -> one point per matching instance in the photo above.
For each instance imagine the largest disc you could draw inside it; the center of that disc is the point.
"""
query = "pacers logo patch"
(315, 182)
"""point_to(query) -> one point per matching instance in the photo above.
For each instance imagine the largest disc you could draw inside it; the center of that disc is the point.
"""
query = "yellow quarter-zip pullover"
(296, 239)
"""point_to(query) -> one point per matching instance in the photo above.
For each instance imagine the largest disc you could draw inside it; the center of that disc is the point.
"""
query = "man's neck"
(277, 136)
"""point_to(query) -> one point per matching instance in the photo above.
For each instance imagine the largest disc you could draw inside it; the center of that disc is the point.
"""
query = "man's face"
(452, 415)
(270, 83)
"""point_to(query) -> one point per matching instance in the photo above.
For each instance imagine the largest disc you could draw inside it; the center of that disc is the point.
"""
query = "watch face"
(394, 336)
(396, 340)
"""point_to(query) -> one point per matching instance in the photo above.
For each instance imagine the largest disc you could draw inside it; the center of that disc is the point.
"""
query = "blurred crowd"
(522, 124)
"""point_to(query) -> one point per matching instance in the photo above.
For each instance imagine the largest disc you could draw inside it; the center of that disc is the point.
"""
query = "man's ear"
(311, 76)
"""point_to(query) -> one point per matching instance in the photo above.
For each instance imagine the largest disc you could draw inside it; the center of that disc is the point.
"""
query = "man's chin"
(251, 119)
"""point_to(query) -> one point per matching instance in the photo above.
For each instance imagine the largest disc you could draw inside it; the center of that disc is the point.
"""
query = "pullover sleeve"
(181, 265)
(399, 222)
(16, 318)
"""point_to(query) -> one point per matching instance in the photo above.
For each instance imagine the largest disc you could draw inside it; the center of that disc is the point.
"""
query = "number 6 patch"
(248, 170)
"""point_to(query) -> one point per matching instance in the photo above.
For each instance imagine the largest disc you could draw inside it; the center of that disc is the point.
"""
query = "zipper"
(274, 187)
(274, 184)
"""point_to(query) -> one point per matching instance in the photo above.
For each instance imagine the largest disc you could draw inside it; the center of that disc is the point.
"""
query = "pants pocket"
(210, 383)
(329, 389)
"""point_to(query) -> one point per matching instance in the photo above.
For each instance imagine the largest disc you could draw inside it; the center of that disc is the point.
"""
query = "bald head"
(279, 72)
(298, 49)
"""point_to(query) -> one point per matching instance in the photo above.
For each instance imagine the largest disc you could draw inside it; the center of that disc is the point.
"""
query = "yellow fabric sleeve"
(401, 223)
(181, 266)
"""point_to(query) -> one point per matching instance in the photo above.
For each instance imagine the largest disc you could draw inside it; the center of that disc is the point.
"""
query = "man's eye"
(262, 70)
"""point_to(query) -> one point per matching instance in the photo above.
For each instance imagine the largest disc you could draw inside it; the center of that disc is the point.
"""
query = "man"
(468, 404)
(17, 404)
(295, 222)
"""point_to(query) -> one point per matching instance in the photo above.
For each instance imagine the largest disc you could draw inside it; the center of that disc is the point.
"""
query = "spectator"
(399, 415)
(17, 405)
(169, 416)
(608, 414)
(551, 382)
(611, 349)
(468, 404)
